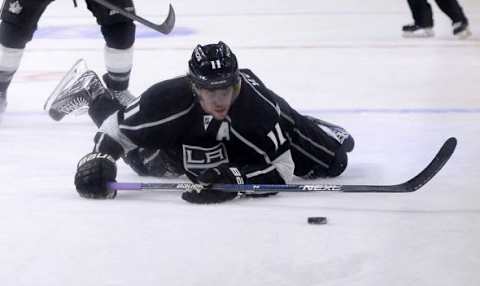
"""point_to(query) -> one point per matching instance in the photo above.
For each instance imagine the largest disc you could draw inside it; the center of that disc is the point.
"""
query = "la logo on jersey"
(200, 158)
(15, 7)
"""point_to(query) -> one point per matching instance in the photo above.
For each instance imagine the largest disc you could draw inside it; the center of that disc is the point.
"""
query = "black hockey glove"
(94, 170)
(223, 174)
(153, 162)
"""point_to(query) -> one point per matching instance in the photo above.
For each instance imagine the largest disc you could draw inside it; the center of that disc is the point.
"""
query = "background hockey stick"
(409, 186)
(164, 28)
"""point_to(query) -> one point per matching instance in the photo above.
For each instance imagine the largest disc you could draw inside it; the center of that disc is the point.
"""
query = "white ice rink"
(343, 61)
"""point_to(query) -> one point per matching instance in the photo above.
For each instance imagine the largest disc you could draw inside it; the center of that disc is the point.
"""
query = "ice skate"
(416, 31)
(124, 97)
(461, 30)
(117, 84)
(75, 91)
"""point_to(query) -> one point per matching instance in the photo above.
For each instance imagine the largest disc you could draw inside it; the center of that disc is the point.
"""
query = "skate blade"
(81, 111)
(424, 33)
(79, 67)
(463, 35)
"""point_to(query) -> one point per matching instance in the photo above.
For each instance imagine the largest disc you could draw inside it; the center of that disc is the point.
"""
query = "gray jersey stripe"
(251, 145)
(288, 118)
(274, 105)
(309, 155)
(323, 148)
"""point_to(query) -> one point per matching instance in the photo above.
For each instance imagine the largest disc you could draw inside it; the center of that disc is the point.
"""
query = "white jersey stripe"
(283, 164)
(97, 145)
(159, 122)
(110, 127)
(131, 112)
(260, 172)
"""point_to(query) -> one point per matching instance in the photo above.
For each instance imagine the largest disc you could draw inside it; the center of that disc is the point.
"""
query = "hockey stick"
(409, 186)
(164, 28)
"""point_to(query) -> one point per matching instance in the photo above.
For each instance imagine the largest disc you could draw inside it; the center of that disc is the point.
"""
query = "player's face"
(216, 102)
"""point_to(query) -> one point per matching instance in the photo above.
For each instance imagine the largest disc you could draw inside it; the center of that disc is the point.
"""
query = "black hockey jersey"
(168, 116)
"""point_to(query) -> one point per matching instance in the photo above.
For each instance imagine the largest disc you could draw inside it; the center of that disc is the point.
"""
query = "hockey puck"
(317, 220)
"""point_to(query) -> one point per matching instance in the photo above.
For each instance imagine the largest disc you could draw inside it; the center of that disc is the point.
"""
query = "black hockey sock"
(117, 81)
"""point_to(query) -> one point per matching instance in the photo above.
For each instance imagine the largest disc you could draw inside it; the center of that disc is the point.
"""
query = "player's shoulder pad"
(252, 85)
(250, 77)
(167, 97)
(255, 109)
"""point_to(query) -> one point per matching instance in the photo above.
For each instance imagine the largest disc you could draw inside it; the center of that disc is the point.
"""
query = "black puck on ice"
(317, 220)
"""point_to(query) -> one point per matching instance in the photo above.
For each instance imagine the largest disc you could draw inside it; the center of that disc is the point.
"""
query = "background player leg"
(459, 21)
(19, 22)
(423, 20)
(119, 34)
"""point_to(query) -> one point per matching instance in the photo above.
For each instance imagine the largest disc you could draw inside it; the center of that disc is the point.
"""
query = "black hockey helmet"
(213, 66)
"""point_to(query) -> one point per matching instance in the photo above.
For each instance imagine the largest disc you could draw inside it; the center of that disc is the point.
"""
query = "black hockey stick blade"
(164, 28)
(410, 186)
(419, 180)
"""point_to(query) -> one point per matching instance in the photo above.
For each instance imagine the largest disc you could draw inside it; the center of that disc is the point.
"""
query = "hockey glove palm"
(94, 171)
(222, 174)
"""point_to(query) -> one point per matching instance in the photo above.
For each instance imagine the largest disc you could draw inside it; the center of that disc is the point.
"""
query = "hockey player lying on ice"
(217, 124)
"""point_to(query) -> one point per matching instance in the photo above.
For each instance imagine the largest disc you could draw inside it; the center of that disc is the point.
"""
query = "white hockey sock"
(117, 60)
(9, 63)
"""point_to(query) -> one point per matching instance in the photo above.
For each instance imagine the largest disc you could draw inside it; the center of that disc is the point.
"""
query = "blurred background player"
(423, 19)
(19, 22)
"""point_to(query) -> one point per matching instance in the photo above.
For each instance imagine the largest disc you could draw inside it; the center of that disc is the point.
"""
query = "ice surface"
(343, 61)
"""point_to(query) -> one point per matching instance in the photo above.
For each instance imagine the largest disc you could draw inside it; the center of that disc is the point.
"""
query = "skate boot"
(460, 30)
(335, 131)
(78, 88)
(117, 84)
(417, 31)
(124, 97)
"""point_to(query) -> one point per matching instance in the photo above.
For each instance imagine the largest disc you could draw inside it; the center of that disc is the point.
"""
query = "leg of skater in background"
(119, 34)
(422, 26)
(423, 19)
(19, 22)
(455, 12)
